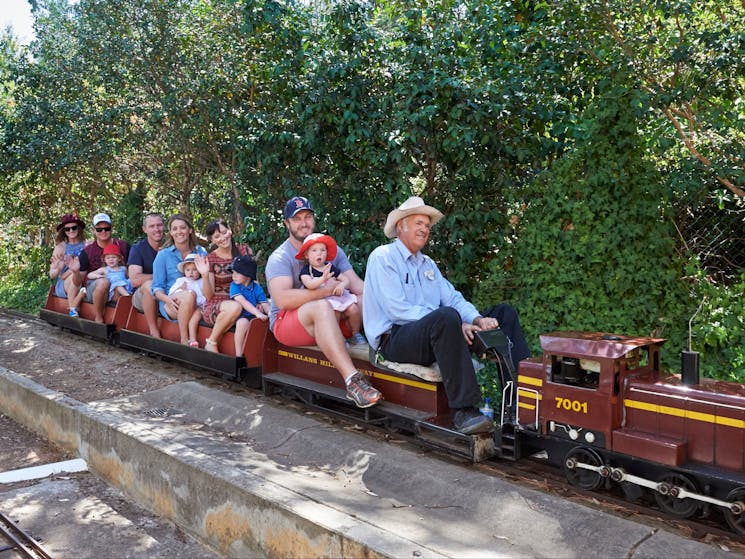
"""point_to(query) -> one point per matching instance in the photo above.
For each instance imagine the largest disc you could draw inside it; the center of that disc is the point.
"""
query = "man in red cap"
(301, 317)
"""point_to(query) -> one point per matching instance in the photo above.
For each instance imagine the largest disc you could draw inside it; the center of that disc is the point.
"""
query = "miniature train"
(596, 404)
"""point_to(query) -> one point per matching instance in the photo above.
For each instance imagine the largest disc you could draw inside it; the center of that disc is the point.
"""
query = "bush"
(25, 282)
(719, 329)
(593, 248)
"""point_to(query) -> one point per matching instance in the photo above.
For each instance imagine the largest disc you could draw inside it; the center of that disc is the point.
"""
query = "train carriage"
(415, 400)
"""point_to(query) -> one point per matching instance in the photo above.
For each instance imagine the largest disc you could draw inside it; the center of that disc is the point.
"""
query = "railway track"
(17, 543)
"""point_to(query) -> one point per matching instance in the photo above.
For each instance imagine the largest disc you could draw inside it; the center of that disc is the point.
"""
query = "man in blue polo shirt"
(140, 269)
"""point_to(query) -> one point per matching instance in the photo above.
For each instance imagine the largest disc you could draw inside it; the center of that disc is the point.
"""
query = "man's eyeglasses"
(101, 229)
(71, 228)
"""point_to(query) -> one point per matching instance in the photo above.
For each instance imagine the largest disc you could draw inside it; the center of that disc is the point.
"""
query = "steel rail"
(20, 541)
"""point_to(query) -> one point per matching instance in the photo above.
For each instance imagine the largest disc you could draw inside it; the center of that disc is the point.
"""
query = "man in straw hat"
(412, 314)
(301, 317)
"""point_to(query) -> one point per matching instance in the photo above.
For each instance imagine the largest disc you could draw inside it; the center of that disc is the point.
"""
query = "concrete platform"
(252, 478)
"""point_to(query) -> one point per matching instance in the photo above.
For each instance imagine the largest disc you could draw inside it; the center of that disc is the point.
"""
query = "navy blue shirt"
(143, 255)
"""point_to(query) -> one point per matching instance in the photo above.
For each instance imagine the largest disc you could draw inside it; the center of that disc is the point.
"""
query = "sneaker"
(469, 421)
(361, 392)
(73, 312)
(357, 339)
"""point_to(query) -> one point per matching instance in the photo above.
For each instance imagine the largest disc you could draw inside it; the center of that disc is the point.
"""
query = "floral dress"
(223, 279)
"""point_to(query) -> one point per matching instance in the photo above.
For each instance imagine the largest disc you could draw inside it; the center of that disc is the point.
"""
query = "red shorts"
(289, 330)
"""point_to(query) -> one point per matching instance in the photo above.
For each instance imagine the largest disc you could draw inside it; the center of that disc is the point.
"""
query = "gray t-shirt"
(282, 263)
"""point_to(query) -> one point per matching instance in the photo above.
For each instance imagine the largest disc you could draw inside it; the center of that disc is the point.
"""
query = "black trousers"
(438, 337)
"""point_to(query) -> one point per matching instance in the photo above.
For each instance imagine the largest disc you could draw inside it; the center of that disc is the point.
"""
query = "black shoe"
(469, 421)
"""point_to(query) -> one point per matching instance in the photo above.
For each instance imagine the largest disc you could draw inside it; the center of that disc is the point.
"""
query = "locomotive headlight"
(590, 437)
(573, 434)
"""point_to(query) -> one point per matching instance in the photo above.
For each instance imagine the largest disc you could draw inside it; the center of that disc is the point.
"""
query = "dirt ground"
(91, 371)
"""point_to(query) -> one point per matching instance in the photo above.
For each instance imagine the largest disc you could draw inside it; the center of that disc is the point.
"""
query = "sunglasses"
(71, 228)
(100, 229)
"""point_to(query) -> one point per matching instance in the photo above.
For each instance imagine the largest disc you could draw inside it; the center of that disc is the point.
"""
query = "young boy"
(192, 281)
(250, 295)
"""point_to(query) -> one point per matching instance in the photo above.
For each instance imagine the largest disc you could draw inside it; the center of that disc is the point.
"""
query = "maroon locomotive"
(599, 405)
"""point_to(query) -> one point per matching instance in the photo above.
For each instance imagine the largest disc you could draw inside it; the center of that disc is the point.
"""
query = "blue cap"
(295, 205)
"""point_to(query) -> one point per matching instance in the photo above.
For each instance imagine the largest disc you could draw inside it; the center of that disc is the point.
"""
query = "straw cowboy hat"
(314, 238)
(413, 206)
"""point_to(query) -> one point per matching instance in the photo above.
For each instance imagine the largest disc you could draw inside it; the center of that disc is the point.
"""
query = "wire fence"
(714, 230)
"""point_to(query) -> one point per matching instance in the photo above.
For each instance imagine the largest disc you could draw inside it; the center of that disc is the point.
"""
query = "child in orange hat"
(318, 250)
(115, 271)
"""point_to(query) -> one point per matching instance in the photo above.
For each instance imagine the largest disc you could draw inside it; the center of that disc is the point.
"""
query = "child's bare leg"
(122, 291)
(354, 318)
(187, 304)
(241, 331)
(194, 326)
(74, 296)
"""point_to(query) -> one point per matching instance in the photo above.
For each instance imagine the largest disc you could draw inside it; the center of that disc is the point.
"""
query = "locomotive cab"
(574, 391)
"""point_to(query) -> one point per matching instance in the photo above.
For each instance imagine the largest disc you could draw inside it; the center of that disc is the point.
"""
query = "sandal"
(211, 345)
(193, 343)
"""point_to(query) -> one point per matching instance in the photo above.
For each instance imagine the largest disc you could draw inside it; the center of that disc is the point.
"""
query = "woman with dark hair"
(181, 241)
(221, 311)
(70, 241)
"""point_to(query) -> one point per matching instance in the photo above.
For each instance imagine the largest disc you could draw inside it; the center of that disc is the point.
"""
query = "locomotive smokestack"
(689, 370)
(689, 367)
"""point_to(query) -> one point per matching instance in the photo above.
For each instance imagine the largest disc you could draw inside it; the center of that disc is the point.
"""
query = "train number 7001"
(571, 405)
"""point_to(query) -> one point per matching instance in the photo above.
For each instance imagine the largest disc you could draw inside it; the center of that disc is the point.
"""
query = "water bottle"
(486, 409)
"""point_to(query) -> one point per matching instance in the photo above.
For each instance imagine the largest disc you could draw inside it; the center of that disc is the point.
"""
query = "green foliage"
(593, 250)
(552, 136)
(25, 281)
(719, 328)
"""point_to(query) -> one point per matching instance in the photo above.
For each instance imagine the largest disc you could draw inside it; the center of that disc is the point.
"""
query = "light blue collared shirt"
(165, 267)
(401, 287)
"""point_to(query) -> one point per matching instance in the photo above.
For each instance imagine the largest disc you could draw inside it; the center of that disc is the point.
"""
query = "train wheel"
(736, 521)
(671, 504)
(580, 477)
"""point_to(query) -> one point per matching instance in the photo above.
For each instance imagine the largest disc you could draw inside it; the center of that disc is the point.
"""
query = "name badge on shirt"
(430, 275)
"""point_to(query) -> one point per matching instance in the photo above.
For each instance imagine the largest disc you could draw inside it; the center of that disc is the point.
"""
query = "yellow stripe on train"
(529, 394)
(390, 378)
(688, 414)
(522, 379)
(408, 382)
